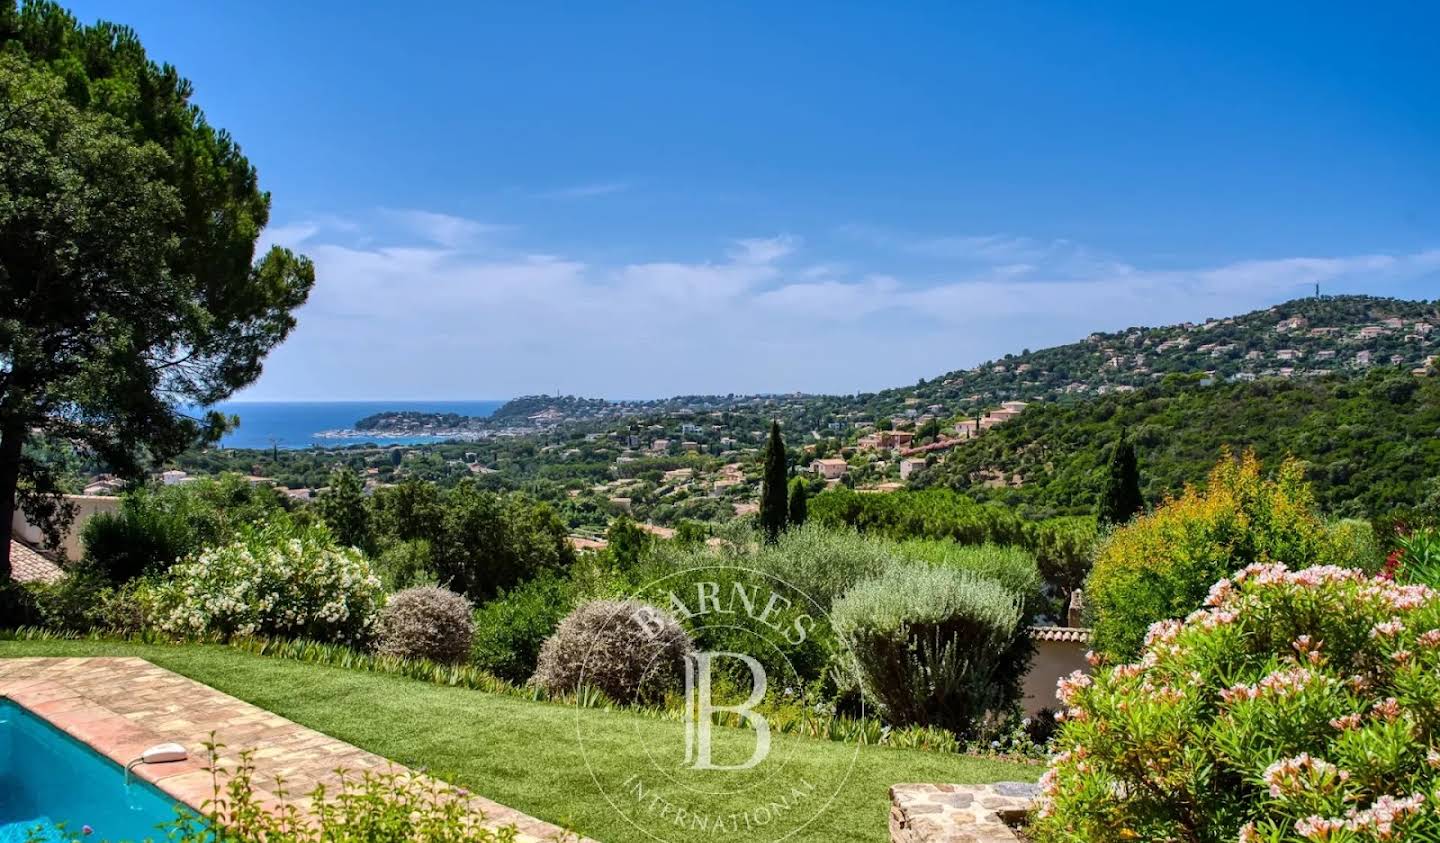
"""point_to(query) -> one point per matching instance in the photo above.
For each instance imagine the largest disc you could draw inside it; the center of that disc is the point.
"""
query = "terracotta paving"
(122, 706)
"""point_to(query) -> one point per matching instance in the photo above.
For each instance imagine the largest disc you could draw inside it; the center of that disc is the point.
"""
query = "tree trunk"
(12, 439)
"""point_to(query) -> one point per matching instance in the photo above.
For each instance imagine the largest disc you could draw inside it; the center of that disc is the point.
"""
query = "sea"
(298, 424)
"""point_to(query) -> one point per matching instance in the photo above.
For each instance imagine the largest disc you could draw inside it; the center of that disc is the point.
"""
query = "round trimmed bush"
(630, 650)
(426, 623)
(1296, 706)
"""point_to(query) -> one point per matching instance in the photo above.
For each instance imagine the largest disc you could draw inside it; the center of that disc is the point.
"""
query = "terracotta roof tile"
(27, 565)
(1070, 634)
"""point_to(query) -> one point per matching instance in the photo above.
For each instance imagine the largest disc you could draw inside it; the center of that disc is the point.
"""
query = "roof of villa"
(28, 565)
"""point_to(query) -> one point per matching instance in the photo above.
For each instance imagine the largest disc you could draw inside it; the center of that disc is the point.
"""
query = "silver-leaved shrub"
(282, 580)
(631, 651)
(1295, 706)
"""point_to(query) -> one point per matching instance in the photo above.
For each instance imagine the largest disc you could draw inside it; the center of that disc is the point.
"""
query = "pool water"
(49, 780)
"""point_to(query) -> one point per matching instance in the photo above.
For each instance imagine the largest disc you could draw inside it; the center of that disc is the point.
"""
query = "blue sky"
(635, 200)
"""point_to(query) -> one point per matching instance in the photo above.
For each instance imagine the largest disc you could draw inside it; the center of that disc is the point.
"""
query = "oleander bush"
(935, 646)
(630, 651)
(427, 622)
(1417, 556)
(1160, 565)
(1295, 706)
(278, 580)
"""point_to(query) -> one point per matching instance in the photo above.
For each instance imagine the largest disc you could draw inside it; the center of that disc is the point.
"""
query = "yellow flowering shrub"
(1161, 564)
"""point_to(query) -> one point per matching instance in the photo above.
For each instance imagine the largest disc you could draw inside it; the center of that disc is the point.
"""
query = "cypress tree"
(1120, 499)
(772, 489)
(799, 508)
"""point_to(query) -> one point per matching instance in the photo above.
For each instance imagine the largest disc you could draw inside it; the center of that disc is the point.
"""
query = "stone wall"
(959, 813)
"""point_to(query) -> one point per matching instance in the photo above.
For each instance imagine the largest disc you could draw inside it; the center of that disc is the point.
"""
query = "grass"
(528, 755)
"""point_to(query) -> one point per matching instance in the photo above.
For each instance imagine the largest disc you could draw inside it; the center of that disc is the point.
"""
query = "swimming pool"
(49, 779)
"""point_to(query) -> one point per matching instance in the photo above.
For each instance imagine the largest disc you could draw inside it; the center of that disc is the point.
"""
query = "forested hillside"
(1300, 338)
(1371, 442)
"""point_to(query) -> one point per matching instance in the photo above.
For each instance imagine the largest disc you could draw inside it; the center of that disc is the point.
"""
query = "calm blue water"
(49, 779)
(293, 424)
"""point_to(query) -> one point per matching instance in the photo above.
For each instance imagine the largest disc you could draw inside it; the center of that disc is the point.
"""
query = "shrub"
(1356, 545)
(426, 623)
(390, 805)
(1062, 546)
(1012, 567)
(86, 601)
(155, 527)
(281, 581)
(1160, 565)
(406, 564)
(1417, 555)
(489, 541)
(510, 629)
(142, 537)
(17, 606)
(1297, 705)
(935, 646)
(629, 650)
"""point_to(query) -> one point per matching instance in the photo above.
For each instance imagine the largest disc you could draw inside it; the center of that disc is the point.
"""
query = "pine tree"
(1120, 500)
(798, 508)
(772, 489)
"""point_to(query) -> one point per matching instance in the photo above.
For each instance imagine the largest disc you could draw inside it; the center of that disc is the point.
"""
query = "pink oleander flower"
(1388, 708)
(1318, 828)
(1430, 638)
(1162, 632)
(1302, 773)
(1346, 722)
(1069, 686)
(1219, 593)
(1387, 629)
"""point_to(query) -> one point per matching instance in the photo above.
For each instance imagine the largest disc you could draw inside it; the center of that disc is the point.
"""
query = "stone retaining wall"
(958, 813)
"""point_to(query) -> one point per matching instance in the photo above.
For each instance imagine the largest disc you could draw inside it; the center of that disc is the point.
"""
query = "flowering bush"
(1160, 565)
(1296, 706)
(282, 580)
(426, 623)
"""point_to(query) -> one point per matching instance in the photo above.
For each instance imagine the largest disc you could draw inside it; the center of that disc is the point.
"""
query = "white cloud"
(586, 191)
(286, 236)
(392, 319)
(444, 229)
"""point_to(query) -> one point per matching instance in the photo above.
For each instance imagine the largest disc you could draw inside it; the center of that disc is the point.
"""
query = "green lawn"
(527, 754)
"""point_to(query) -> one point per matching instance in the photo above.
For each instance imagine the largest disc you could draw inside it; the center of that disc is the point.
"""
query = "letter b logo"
(699, 708)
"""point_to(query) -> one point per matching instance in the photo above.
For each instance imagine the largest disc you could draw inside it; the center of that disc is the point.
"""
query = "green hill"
(1300, 338)
(1371, 442)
